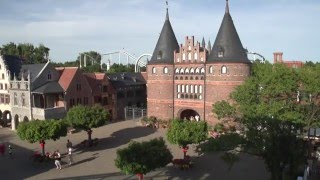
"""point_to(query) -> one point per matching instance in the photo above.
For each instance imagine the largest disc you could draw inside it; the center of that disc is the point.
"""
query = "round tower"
(227, 65)
(160, 68)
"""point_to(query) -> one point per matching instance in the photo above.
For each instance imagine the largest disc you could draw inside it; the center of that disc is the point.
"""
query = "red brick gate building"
(185, 81)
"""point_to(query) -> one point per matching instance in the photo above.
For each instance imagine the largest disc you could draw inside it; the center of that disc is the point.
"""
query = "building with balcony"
(36, 94)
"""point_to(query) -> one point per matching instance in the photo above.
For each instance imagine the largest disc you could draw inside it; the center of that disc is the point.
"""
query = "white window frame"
(211, 69)
(165, 70)
(224, 70)
(202, 71)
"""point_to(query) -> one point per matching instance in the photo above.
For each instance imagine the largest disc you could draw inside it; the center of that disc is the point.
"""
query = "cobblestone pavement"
(98, 162)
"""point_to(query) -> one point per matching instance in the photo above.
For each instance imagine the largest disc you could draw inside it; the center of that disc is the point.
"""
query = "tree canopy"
(273, 105)
(27, 52)
(87, 117)
(143, 157)
(116, 68)
(37, 130)
(183, 132)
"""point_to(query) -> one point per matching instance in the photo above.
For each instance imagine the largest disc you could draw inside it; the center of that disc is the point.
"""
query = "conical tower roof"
(227, 46)
(166, 45)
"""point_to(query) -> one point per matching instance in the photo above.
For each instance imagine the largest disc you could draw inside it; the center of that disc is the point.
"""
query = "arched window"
(200, 96)
(191, 70)
(15, 99)
(23, 100)
(159, 56)
(181, 71)
(189, 56)
(154, 70)
(177, 70)
(202, 70)
(187, 88)
(200, 88)
(191, 88)
(186, 71)
(184, 56)
(196, 89)
(178, 96)
(197, 71)
(182, 88)
(189, 48)
(195, 56)
(223, 70)
(178, 59)
(178, 88)
(165, 70)
(210, 69)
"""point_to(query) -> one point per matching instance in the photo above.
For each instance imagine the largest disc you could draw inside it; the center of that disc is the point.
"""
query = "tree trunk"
(42, 144)
(185, 150)
(140, 176)
(89, 137)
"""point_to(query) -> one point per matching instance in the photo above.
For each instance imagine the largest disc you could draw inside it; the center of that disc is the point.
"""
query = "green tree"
(116, 68)
(87, 117)
(41, 130)
(143, 157)
(182, 133)
(272, 114)
(27, 52)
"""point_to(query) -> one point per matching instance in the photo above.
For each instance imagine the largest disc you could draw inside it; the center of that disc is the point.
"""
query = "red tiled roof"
(95, 81)
(67, 74)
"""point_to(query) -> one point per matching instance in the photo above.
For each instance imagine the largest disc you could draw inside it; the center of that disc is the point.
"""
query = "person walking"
(57, 159)
(69, 144)
(70, 155)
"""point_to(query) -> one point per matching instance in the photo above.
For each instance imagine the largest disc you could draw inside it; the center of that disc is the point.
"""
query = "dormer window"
(159, 55)
(49, 75)
(153, 70)
(221, 53)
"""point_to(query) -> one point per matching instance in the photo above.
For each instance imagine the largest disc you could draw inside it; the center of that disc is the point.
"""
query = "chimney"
(277, 57)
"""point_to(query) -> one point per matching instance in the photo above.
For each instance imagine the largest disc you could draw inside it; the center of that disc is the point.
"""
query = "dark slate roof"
(119, 80)
(167, 44)
(13, 64)
(50, 87)
(229, 42)
(34, 69)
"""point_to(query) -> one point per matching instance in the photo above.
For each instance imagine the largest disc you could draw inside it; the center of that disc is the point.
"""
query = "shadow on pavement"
(22, 166)
(118, 138)
(210, 166)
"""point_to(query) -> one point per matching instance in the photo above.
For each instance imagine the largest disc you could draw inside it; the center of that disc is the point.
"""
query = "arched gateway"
(189, 114)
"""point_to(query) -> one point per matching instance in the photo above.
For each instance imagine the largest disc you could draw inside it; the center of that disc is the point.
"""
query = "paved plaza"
(98, 162)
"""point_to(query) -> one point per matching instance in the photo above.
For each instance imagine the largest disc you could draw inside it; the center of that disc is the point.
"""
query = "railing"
(134, 112)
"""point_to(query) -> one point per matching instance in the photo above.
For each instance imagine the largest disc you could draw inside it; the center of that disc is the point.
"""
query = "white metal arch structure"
(137, 67)
(256, 54)
(129, 57)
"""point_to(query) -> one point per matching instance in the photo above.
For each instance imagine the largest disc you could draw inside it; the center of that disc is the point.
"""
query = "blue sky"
(69, 27)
